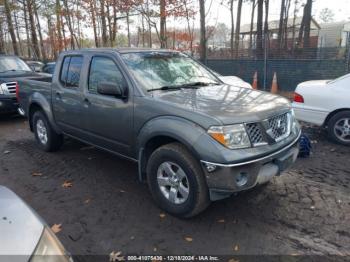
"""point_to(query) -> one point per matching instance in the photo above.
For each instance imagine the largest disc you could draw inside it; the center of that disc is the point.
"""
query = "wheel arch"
(333, 113)
(39, 102)
(162, 131)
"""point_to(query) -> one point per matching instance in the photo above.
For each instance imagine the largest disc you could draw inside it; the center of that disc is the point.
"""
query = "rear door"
(68, 97)
(110, 119)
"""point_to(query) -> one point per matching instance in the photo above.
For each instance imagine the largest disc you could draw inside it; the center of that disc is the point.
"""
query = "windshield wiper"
(164, 88)
(187, 85)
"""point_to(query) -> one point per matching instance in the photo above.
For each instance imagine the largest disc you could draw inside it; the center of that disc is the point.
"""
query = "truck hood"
(228, 104)
(20, 227)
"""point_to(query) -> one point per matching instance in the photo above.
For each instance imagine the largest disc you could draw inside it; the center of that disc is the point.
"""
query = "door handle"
(86, 101)
(58, 95)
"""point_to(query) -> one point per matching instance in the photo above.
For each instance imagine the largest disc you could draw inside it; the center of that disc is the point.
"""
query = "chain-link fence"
(328, 57)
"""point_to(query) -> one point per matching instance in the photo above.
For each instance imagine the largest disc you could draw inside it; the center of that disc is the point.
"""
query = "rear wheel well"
(330, 115)
(33, 108)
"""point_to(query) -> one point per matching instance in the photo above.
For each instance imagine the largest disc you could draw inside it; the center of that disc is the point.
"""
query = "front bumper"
(8, 105)
(225, 179)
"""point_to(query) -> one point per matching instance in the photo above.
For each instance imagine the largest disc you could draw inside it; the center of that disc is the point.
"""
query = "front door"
(110, 119)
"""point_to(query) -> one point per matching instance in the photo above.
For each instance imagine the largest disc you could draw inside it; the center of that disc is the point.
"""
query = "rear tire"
(45, 135)
(339, 128)
(176, 181)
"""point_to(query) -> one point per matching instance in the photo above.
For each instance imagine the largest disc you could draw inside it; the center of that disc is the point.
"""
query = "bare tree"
(10, 27)
(259, 29)
(238, 26)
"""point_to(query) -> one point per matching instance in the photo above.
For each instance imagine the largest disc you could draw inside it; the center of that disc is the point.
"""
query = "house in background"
(290, 36)
(334, 35)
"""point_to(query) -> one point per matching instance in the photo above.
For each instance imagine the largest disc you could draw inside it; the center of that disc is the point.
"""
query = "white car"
(232, 80)
(326, 103)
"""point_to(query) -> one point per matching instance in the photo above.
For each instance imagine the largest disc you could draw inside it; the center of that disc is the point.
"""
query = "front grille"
(270, 130)
(10, 88)
(254, 133)
(279, 126)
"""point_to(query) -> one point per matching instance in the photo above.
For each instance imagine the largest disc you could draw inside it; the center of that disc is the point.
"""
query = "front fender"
(177, 128)
(40, 100)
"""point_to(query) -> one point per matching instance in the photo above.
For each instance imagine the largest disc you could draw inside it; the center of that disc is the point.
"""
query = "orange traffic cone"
(274, 87)
(255, 80)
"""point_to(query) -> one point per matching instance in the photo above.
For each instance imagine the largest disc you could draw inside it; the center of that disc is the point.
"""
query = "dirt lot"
(305, 211)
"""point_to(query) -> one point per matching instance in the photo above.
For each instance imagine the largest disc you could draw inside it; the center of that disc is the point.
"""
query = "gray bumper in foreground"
(223, 180)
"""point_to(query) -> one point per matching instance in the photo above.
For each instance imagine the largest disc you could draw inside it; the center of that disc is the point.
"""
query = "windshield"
(12, 63)
(154, 70)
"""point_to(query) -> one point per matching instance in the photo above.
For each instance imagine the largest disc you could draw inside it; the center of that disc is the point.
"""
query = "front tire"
(176, 181)
(45, 135)
(339, 128)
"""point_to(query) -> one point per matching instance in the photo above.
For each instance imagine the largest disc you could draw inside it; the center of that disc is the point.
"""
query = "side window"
(70, 72)
(103, 69)
(73, 75)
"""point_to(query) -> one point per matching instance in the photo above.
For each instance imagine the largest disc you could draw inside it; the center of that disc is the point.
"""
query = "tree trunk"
(238, 26)
(109, 18)
(2, 42)
(143, 31)
(259, 32)
(294, 20)
(93, 18)
(43, 52)
(33, 30)
(232, 29)
(10, 27)
(103, 24)
(251, 26)
(17, 34)
(149, 26)
(114, 23)
(69, 23)
(286, 31)
(203, 39)
(190, 31)
(52, 37)
(59, 26)
(163, 38)
(307, 29)
(280, 26)
(266, 25)
(29, 53)
(128, 28)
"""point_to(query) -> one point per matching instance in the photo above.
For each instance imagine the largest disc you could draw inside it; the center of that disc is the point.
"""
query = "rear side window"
(70, 72)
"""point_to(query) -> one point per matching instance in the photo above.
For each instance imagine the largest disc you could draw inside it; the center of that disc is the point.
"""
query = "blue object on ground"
(304, 146)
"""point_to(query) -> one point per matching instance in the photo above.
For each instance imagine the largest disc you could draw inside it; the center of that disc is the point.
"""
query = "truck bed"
(30, 85)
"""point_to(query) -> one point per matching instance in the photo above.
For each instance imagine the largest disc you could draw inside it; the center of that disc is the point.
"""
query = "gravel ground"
(306, 211)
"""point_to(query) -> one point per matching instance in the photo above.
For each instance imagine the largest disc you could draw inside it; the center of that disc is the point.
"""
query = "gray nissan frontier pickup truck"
(195, 139)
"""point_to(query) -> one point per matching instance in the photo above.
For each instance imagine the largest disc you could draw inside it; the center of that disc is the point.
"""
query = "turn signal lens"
(298, 98)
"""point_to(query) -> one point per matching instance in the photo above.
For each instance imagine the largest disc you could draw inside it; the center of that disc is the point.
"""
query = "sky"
(221, 14)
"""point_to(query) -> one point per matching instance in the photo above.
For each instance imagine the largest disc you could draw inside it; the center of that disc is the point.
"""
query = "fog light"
(241, 179)
(210, 167)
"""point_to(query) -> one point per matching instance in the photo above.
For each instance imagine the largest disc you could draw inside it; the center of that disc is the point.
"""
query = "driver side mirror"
(111, 89)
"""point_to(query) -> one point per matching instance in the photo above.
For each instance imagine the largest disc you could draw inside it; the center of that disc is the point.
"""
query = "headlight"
(233, 137)
(50, 249)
